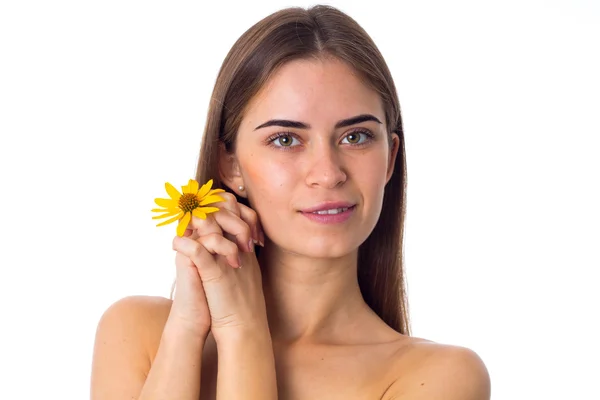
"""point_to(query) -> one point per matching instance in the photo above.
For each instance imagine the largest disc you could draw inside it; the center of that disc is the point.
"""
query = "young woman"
(304, 133)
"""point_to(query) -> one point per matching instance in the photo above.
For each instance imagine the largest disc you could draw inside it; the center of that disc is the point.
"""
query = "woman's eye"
(284, 141)
(355, 137)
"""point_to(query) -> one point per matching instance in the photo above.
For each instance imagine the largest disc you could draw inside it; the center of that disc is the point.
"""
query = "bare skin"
(365, 367)
(327, 343)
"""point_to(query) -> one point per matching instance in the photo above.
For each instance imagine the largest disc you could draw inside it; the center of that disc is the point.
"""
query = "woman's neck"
(310, 300)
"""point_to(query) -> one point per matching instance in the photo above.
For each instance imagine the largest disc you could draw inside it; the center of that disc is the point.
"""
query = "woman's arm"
(246, 366)
(122, 366)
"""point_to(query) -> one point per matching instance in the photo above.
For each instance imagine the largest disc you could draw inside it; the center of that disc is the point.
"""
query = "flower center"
(188, 202)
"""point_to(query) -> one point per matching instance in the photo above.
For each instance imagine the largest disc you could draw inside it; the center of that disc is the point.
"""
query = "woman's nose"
(326, 169)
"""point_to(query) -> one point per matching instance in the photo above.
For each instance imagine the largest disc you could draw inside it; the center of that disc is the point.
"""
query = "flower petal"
(208, 210)
(192, 186)
(164, 209)
(183, 224)
(197, 212)
(167, 214)
(174, 193)
(168, 203)
(211, 199)
(175, 218)
(205, 189)
(214, 191)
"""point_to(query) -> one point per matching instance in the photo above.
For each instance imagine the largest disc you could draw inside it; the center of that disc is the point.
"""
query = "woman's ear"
(393, 154)
(229, 171)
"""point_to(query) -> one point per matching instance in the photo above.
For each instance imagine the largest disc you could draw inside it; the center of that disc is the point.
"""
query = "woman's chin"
(325, 250)
(333, 246)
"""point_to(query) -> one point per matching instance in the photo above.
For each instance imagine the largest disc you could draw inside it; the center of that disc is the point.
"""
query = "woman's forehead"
(313, 90)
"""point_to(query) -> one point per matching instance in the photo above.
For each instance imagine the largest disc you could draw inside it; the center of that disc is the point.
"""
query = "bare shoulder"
(439, 371)
(140, 318)
(127, 337)
(153, 306)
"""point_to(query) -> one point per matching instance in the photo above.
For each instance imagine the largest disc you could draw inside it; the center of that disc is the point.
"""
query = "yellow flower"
(182, 206)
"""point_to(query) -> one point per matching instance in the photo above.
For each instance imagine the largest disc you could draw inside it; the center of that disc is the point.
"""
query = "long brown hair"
(316, 33)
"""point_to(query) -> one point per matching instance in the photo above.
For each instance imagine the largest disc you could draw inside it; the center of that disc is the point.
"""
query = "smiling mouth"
(332, 211)
(331, 215)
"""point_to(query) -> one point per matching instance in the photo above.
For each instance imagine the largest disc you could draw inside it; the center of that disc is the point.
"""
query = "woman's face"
(290, 170)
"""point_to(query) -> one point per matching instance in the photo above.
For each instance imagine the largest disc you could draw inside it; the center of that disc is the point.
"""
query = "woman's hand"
(213, 293)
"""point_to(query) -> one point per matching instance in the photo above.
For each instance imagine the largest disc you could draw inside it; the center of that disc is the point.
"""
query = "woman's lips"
(330, 218)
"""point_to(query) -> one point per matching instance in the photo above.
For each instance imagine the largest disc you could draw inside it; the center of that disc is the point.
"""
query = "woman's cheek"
(270, 187)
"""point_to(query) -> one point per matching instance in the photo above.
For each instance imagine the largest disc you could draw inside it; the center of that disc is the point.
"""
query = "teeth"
(332, 211)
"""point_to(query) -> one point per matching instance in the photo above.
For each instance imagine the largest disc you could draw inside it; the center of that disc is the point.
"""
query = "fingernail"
(251, 246)
(239, 261)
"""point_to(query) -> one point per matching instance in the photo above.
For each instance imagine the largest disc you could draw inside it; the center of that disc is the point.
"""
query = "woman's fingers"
(251, 218)
(228, 222)
(230, 203)
(204, 226)
(245, 213)
(234, 221)
(203, 250)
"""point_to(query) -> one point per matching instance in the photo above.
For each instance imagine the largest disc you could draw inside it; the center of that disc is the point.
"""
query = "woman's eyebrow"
(286, 123)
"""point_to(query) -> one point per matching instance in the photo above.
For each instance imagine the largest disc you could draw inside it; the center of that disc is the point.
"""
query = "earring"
(241, 188)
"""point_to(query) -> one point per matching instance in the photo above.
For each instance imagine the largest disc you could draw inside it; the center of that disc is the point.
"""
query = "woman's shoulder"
(141, 318)
(127, 336)
(433, 367)
(427, 351)
(145, 310)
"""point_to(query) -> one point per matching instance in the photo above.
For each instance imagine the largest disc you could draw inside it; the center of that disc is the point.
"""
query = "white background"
(102, 102)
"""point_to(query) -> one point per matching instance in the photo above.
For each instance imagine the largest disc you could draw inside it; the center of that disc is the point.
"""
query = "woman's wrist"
(246, 365)
(179, 330)
(231, 336)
